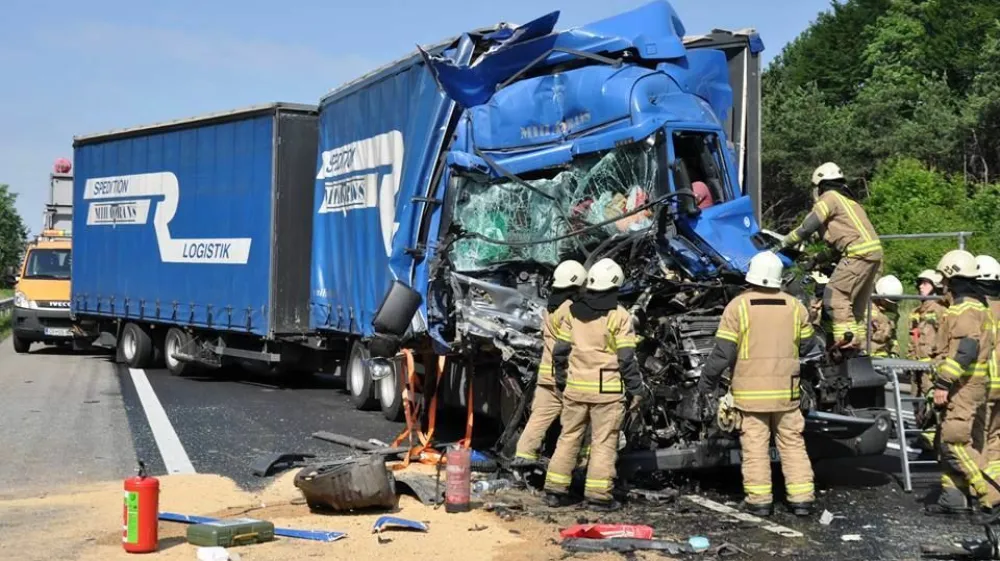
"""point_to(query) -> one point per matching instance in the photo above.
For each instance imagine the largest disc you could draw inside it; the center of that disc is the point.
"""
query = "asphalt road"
(77, 417)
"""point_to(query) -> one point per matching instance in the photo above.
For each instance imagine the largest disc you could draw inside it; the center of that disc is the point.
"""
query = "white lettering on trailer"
(163, 190)
(118, 213)
(365, 174)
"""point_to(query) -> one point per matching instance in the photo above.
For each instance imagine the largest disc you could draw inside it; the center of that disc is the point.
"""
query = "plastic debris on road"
(698, 543)
(850, 538)
(826, 518)
(213, 554)
(606, 531)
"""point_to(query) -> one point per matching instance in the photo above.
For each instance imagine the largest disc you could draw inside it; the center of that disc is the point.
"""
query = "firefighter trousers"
(920, 386)
(755, 440)
(545, 408)
(992, 452)
(845, 298)
(960, 434)
(605, 422)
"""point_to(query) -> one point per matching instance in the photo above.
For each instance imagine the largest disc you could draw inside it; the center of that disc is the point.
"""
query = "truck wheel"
(136, 346)
(359, 379)
(390, 396)
(21, 346)
(175, 341)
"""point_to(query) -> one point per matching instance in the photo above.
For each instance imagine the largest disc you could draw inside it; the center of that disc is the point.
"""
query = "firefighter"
(546, 406)
(844, 225)
(989, 276)
(596, 370)
(924, 321)
(762, 334)
(883, 322)
(962, 351)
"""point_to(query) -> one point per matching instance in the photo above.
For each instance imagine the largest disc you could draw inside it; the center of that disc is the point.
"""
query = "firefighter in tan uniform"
(883, 323)
(546, 406)
(963, 349)
(762, 334)
(598, 369)
(989, 277)
(924, 323)
(844, 225)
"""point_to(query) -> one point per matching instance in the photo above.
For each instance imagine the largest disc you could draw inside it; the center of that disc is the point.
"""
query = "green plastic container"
(228, 533)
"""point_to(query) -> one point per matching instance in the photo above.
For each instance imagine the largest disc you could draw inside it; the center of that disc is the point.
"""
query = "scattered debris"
(850, 538)
(490, 507)
(972, 551)
(424, 487)
(387, 522)
(607, 531)
(378, 443)
(826, 518)
(270, 464)
(514, 532)
(490, 486)
(478, 528)
(623, 545)
(365, 446)
(743, 516)
(662, 496)
(315, 535)
(350, 484)
(213, 554)
(728, 550)
(698, 543)
(230, 533)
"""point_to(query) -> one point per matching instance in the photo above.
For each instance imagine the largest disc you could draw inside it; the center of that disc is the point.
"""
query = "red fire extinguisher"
(458, 481)
(140, 512)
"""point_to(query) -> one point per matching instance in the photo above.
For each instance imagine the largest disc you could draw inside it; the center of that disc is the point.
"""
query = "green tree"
(13, 233)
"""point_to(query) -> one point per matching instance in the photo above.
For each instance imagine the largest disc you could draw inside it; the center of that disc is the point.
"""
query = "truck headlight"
(22, 301)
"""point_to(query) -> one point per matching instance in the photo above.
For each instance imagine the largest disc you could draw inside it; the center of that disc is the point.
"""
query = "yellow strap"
(728, 335)
(744, 330)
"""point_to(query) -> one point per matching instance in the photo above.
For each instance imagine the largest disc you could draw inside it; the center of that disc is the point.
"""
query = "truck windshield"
(701, 167)
(48, 264)
(592, 189)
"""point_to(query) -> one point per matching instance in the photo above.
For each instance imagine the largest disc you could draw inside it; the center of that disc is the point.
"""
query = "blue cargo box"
(204, 222)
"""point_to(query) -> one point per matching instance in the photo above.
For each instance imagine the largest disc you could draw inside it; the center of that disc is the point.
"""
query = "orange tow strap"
(421, 452)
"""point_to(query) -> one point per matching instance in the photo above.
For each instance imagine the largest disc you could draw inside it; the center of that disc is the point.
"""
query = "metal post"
(961, 240)
(868, 328)
(901, 431)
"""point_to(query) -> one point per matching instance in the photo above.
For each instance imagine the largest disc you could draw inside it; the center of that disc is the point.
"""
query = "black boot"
(609, 505)
(759, 509)
(557, 500)
(801, 509)
(951, 502)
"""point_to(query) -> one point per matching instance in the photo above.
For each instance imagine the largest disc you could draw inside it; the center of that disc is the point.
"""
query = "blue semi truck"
(425, 205)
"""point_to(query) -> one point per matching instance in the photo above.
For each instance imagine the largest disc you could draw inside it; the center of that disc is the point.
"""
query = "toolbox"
(228, 533)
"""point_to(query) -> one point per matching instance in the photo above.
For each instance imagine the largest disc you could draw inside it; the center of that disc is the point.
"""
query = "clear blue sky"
(71, 67)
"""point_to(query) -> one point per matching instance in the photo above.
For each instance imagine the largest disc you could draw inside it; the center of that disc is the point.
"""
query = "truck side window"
(700, 156)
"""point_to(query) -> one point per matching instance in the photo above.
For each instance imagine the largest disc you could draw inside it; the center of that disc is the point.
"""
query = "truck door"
(742, 49)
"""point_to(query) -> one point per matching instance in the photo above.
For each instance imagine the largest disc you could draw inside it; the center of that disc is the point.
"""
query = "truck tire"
(175, 340)
(390, 396)
(21, 346)
(359, 379)
(136, 346)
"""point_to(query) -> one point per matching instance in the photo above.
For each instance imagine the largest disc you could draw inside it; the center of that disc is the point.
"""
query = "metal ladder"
(892, 367)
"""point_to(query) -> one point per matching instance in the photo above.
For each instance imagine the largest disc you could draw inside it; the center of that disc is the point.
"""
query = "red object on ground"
(604, 531)
(458, 485)
(139, 513)
(62, 165)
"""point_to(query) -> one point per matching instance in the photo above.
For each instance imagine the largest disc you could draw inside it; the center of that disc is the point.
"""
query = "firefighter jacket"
(761, 336)
(843, 224)
(924, 323)
(601, 365)
(994, 362)
(883, 334)
(551, 332)
(964, 343)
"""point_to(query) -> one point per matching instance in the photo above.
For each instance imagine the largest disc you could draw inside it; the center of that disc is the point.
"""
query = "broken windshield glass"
(593, 189)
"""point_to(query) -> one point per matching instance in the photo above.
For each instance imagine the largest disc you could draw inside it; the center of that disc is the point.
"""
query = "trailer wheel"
(136, 346)
(359, 379)
(390, 395)
(21, 346)
(176, 340)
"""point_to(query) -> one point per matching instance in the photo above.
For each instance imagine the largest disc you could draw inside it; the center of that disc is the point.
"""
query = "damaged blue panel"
(705, 74)
(653, 32)
(727, 229)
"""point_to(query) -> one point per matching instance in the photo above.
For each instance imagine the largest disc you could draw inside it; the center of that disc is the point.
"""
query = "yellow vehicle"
(41, 295)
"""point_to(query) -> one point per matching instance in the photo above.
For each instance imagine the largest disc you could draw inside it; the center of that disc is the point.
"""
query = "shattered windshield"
(593, 189)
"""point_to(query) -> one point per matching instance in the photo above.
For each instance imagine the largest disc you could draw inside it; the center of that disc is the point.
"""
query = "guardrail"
(922, 236)
(6, 306)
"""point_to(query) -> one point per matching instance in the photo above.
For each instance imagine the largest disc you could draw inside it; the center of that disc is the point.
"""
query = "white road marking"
(743, 516)
(171, 450)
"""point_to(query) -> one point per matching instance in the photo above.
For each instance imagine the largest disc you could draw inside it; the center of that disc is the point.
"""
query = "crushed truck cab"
(42, 293)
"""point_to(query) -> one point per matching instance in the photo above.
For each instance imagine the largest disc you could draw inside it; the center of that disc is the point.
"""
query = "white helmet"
(989, 268)
(888, 285)
(605, 275)
(765, 270)
(958, 263)
(826, 172)
(569, 273)
(931, 276)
